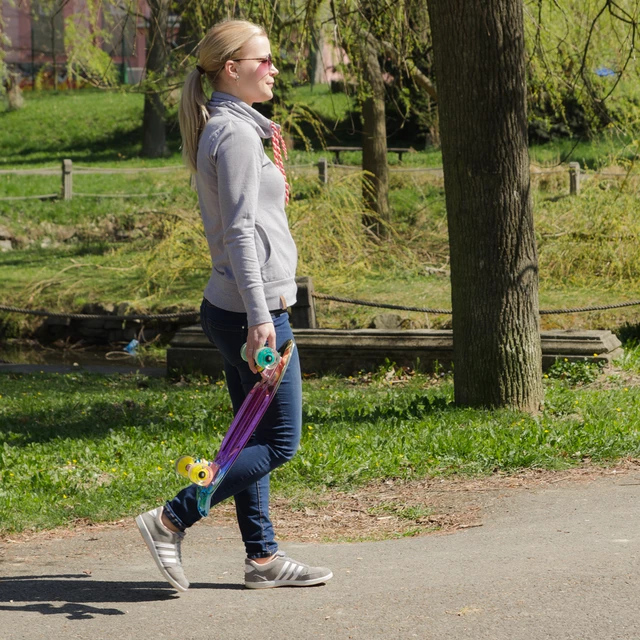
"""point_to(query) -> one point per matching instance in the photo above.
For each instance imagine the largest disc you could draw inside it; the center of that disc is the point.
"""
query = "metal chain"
(365, 303)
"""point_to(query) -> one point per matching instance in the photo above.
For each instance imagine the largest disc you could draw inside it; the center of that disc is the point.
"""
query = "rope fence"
(380, 305)
(97, 316)
(69, 169)
(437, 170)
(123, 195)
(30, 172)
(318, 296)
(367, 303)
(46, 196)
(348, 167)
(107, 170)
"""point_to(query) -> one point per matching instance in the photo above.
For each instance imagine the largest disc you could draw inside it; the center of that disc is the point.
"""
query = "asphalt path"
(559, 561)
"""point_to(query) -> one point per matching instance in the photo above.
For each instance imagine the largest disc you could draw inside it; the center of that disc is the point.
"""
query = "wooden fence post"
(67, 179)
(303, 312)
(323, 170)
(574, 178)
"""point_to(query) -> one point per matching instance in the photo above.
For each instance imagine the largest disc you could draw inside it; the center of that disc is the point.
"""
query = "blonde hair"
(222, 42)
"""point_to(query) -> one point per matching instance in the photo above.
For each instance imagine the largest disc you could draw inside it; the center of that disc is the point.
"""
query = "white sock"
(265, 564)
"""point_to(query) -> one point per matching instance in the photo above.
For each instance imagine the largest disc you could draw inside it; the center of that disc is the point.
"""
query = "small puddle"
(26, 356)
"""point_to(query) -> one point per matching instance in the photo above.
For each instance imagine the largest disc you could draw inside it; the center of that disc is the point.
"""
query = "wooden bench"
(338, 150)
(348, 351)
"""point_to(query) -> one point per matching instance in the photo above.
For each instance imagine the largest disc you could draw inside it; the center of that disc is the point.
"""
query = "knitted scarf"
(280, 149)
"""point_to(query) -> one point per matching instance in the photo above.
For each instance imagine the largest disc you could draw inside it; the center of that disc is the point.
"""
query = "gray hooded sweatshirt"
(242, 196)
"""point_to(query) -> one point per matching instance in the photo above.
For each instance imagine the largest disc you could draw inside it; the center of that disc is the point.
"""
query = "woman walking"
(242, 196)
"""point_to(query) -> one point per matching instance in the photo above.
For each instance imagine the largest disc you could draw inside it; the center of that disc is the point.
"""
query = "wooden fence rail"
(324, 167)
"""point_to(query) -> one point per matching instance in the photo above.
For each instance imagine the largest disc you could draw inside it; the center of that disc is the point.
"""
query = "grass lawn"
(89, 126)
(82, 447)
(150, 252)
(76, 447)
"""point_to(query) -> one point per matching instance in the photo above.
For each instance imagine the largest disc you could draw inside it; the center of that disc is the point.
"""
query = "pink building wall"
(331, 58)
(20, 56)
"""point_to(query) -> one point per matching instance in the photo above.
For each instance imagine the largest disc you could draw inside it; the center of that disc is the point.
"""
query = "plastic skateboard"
(209, 474)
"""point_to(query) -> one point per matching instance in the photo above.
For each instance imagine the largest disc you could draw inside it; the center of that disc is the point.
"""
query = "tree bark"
(154, 143)
(14, 94)
(480, 75)
(375, 184)
(53, 51)
(190, 31)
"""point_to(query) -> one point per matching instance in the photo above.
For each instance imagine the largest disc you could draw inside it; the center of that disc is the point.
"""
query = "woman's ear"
(230, 69)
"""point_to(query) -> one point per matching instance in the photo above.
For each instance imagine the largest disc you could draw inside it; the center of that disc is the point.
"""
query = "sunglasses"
(266, 60)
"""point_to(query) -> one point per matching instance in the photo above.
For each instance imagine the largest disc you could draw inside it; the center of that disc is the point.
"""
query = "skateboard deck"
(209, 475)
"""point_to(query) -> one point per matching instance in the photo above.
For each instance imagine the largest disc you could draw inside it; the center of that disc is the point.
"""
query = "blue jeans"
(273, 443)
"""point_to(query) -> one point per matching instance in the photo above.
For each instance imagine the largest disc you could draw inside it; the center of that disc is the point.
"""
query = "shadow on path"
(75, 590)
(72, 610)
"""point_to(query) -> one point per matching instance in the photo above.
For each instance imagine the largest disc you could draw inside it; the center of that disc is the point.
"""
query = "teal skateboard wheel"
(265, 357)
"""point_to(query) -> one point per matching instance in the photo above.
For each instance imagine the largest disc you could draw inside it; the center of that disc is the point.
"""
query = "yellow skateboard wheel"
(182, 465)
(200, 473)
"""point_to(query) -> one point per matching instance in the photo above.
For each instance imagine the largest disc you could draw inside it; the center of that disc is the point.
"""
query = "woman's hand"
(258, 335)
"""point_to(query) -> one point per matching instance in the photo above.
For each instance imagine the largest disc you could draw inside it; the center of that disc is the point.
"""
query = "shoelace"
(280, 149)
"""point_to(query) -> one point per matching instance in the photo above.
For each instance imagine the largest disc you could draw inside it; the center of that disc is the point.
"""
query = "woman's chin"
(262, 95)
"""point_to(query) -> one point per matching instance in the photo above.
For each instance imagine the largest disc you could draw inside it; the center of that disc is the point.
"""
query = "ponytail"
(193, 116)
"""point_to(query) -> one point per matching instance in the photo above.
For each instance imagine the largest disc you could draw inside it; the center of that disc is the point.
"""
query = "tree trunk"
(480, 74)
(14, 94)
(53, 51)
(154, 143)
(315, 67)
(375, 187)
(189, 31)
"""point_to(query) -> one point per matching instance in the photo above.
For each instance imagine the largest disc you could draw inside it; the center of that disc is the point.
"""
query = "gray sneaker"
(164, 546)
(282, 571)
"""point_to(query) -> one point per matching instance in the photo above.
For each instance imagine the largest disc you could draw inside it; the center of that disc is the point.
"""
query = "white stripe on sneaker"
(285, 568)
(168, 558)
(287, 573)
(290, 573)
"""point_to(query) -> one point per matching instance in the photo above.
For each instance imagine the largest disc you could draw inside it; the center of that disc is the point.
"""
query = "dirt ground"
(383, 510)
(397, 509)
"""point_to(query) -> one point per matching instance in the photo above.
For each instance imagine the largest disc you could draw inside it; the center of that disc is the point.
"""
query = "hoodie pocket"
(263, 246)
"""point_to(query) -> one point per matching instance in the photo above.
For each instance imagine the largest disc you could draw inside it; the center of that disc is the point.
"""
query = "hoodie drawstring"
(280, 149)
